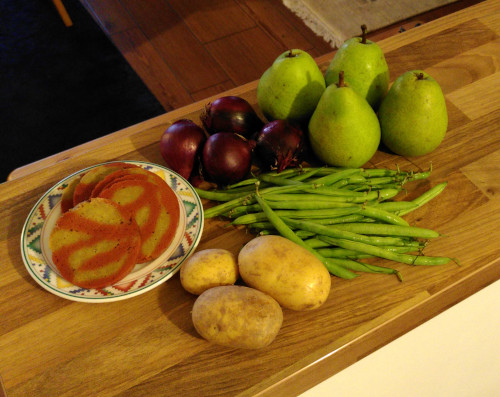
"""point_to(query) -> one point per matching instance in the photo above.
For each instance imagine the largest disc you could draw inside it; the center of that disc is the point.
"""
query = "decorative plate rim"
(196, 227)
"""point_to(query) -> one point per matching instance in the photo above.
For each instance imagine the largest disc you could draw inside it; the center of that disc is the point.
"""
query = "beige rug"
(338, 20)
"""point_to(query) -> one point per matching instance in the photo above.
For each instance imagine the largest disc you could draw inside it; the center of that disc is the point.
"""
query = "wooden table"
(147, 345)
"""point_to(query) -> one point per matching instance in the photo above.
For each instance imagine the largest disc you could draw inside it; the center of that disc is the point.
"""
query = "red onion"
(279, 145)
(226, 158)
(181, 145)
(231, 114)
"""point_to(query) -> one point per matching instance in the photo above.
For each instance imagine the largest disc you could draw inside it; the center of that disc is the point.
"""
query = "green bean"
(354, 218)
(404, 243)
(369, 188)
(227, 206)
(299, 233)
(242, 209)
(281, 189)
(401, 178)
(275, 220)
(370, 229)
(325, 221)
(306, 204)
(419, 175)
(218, 195)
(388, 230)
(359, 197)
(395, 206)
(426, 197)
(318, 171)
(324, 171)
(260, 216)
(241, 190)
(235, 202)
(308, 174)
(342, 219)
(304, 197)
(251, 181)
(336, 270)
(385, 216)
(384, 180)
(329, 252)
(376, 172)
(222, 193)
(277, 180)
(290, 172)
(228, 195)
(322, 190)
(267, 232)
(365, 267)
(341, 234)
(352, 180)
(261, 225)
(315, 242)
(383, 253)
(337, 176)
(286, 232)
(304, 233)
(243, 183)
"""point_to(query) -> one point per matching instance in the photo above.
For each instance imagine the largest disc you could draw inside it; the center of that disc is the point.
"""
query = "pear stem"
(364, 30)
(420, 76)
(341, 82)
(291, 54)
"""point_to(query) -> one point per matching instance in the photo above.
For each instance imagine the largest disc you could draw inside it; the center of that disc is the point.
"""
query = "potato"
(286, 271)
(207, 269)
(237, 316)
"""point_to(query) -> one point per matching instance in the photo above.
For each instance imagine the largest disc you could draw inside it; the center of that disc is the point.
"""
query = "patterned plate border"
(42, 273)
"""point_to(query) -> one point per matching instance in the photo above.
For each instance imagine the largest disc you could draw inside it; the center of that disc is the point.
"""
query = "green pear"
(344, 130)
(365, 68)
(413, 115)
(290, 89)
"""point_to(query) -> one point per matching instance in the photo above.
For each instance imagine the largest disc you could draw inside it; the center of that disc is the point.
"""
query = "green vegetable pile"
(341, 215)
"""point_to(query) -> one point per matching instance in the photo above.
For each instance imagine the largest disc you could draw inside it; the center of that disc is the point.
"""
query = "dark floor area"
(61, 86)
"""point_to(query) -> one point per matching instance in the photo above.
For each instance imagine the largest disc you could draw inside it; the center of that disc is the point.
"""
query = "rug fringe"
(300, 9)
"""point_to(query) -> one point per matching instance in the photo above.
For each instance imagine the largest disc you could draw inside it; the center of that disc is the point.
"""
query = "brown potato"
(286, 271)
(207, 269)
(237, 316)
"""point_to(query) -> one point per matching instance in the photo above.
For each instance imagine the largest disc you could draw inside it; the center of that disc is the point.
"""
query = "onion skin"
(181, 145)
(279, 145)
(226, 158)
(231, 114)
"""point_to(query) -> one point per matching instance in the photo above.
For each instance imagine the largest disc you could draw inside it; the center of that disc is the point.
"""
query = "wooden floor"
(187, 50)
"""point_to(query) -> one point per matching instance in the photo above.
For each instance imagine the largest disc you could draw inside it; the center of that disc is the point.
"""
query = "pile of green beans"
(340, 215)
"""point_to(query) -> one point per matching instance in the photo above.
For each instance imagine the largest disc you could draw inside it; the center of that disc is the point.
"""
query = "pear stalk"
(364, 31)
(341, 82)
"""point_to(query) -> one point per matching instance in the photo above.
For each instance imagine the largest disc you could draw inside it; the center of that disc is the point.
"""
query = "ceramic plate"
(144, 277)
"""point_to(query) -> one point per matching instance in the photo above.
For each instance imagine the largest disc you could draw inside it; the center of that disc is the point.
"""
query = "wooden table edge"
(166, 118)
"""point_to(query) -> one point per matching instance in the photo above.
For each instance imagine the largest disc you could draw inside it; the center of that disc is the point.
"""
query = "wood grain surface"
(185, 51)
(147, 345)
